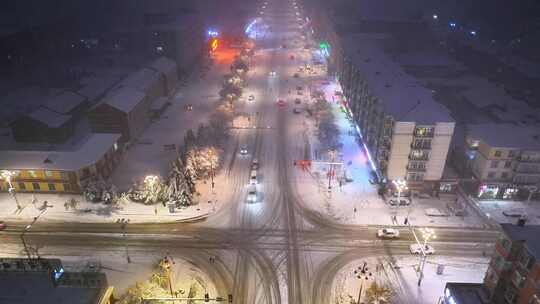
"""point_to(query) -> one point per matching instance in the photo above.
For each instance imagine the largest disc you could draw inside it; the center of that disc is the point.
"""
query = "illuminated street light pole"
(363, 274)
(332, 154)
(7, 176)
(401, 185)
(427, 234)
(211, 154)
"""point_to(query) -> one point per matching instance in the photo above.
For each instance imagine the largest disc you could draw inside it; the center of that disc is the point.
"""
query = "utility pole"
(123, 223)
(362, 273)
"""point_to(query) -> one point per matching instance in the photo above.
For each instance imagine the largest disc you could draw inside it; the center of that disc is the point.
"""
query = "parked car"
(281, 103)
(417, 249)
(296, 75)
(189, 107)
(297, 111)
(299, 88)
(514, 213)
(251, 97)
(388, 233)
(299, 92)
(403, 201)
(272, 73)
(2, 225)
(297, 101)
(243, 150)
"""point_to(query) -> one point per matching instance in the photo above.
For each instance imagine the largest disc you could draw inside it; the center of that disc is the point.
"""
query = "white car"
(388, 233)
(402, 201)
(416, 249)
(252, 195)
(272, 74)
(243, 150)
(251, 97)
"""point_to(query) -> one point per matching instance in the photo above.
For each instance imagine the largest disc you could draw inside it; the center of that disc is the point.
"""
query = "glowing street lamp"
(401, 185)
(427, 234)
(7, 176)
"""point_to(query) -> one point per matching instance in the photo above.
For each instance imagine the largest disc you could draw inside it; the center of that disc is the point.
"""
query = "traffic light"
(206, 297)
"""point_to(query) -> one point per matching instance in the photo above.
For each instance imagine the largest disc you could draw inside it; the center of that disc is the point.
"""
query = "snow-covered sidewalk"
(357, 201)
(401, 276)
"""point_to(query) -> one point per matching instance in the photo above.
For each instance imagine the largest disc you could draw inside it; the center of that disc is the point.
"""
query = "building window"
(504, 175)
(498, 153)
(32, 173)
(508, 164)
(494, 164)
(491, 174)
(511, 153)
(67, 187)
(22, 186)
(35, 186)
(48, 173)
(64, 175)
(52, 187)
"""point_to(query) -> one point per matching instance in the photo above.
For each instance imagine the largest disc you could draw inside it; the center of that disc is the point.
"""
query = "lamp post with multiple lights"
(7, 176)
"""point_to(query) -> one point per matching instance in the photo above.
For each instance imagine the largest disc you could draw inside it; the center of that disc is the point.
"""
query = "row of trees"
(234, 82)
(328, 131)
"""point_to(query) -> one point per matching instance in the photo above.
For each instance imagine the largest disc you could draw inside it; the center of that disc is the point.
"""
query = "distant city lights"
(212, 33)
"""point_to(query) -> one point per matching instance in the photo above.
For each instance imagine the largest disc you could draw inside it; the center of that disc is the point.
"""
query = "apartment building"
(505, 158)
(513, 275)
(61, 171)
(28, 281)
(407, 133)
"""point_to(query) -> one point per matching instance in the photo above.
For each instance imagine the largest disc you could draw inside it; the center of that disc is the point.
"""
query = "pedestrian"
(155, 210)
(355, 210)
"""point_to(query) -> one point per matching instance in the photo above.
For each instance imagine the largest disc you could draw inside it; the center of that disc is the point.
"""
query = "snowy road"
(283, 252)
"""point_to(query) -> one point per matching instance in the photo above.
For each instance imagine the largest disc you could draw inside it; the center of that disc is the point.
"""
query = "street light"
(363, 274)
(401, 185)
(332, 154)
(7, 176)
(211, 154)
(427, 234)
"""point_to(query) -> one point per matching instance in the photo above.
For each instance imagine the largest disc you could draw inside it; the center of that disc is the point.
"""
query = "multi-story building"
(505, 158)
(513, 275)
(26, 281)
(61, 171)
(407, 133)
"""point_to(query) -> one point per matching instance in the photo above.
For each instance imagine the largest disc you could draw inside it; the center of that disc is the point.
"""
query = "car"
(402, 201)
(243, 150)
(517, 212)
(417, 249)
(388, 233)
(296, 75)
(251, 97)
(281, 103)
(299, 88)
(253, 177)
(297, 101)
(2, 225)
(325, 82)
(189, 107)
(297, 111)
(272, 74)
(255, 164)
(284, 46)
(300, 70)
(292, 57)
(300, 92)
(252, 194)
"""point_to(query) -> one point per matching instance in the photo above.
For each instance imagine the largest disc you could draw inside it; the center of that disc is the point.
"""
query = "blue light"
(452, 24)
(58, 274)
(212, 33)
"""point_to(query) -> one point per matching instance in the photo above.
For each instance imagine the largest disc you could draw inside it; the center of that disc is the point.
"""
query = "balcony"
(416, 169)
(419, 158)
(424, 134)
(421, 146)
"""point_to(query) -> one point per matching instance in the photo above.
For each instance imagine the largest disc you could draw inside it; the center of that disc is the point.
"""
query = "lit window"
(48, 173)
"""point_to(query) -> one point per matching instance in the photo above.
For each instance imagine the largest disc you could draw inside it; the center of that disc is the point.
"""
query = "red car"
(281, 103)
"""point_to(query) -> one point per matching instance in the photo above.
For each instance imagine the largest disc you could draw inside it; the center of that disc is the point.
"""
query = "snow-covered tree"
(201, 162)
(379, 294)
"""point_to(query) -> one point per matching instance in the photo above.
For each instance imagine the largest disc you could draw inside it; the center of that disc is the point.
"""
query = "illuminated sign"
(214, 44)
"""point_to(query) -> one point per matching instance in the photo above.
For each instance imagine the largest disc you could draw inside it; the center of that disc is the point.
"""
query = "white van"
(253, 177)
